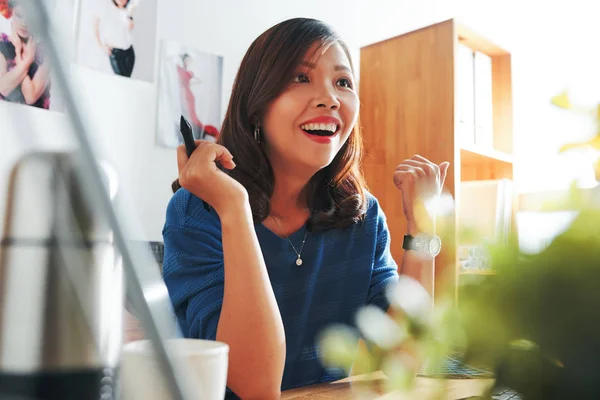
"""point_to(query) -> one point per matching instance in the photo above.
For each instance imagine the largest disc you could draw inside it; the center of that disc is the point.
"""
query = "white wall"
(122, 112)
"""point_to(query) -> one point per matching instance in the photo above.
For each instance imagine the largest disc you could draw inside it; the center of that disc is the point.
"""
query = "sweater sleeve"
(193, 265)
(385, 269)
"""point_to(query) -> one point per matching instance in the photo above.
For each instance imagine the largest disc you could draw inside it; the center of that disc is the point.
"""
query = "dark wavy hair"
(336, 195)
(126, 4)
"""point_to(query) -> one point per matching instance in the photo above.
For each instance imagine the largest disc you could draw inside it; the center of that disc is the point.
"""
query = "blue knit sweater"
(342, 270)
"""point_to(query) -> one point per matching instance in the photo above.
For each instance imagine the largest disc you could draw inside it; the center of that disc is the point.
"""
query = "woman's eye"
(345, 82)
(301, 78)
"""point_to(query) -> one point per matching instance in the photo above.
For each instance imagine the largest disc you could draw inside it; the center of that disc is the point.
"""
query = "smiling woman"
(297, 80)
(292, 241)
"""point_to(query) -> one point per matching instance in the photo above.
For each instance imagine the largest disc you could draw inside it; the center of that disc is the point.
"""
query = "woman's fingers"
(205, 153)
(428, 168)
(223, 156)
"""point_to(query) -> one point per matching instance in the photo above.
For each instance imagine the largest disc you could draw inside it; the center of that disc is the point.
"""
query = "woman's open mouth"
(320, 129)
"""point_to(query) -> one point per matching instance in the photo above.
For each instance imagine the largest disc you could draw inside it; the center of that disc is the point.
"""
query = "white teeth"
(320, 127)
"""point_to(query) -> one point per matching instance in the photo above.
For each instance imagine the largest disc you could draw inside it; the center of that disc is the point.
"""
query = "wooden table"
(425, 388)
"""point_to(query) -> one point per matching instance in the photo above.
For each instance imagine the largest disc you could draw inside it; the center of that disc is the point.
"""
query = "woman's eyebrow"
(336, 68)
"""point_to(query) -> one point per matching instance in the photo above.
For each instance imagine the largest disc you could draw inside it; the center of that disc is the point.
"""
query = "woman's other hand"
(420, 182)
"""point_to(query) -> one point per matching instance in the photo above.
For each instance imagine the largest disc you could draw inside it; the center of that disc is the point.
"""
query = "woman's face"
(121, 3)
(311, 120)
(18, 21)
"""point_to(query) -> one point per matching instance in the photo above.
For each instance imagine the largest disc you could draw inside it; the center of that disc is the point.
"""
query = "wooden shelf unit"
(408, 94)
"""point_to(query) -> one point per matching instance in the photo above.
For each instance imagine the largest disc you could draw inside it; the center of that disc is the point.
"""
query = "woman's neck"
(289, 197)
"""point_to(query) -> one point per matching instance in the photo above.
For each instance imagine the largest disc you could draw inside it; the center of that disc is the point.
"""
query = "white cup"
(204, 363)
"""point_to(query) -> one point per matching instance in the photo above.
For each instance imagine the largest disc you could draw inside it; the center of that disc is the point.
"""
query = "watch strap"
(408, 243)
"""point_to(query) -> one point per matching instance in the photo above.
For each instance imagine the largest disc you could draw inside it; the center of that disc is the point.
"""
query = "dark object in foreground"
(77, 384)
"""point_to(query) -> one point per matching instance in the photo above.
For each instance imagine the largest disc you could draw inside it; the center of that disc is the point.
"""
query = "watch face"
(435, 245)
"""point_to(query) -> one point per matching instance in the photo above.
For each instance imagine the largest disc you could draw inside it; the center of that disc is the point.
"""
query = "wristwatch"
(430, 244)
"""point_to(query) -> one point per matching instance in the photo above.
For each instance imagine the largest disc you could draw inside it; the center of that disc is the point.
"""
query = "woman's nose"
(327, 99)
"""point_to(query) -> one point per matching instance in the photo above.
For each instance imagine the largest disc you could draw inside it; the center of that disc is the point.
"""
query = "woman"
(283, 239)
(112, 28)
(186, 80)
(24, 74)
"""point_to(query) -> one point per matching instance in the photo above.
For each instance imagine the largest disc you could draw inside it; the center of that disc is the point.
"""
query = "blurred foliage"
(396, 342)
(535, 322)
(563, 101)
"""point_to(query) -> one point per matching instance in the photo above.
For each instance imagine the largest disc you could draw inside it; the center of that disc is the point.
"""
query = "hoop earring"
(257, 134)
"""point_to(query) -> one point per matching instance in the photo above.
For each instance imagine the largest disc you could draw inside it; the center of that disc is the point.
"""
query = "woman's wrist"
(422, 228)
(236, 213)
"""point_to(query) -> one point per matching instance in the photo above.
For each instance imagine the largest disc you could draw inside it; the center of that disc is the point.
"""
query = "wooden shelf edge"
(410, 32)
(477, 272)
(488, 153)
(477, 41)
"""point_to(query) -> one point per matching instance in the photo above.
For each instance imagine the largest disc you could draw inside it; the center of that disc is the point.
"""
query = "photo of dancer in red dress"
(190, 85)
(186, 80)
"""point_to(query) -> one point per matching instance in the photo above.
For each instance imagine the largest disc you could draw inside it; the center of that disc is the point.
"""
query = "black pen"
(190, 144)
(188, 137)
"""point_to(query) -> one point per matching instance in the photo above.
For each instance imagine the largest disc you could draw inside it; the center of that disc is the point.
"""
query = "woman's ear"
(254, 121)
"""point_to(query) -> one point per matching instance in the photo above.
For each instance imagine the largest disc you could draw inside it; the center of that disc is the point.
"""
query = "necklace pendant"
(299, 261)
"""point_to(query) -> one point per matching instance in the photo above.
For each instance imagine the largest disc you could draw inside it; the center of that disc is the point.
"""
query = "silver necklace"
(298, 253)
